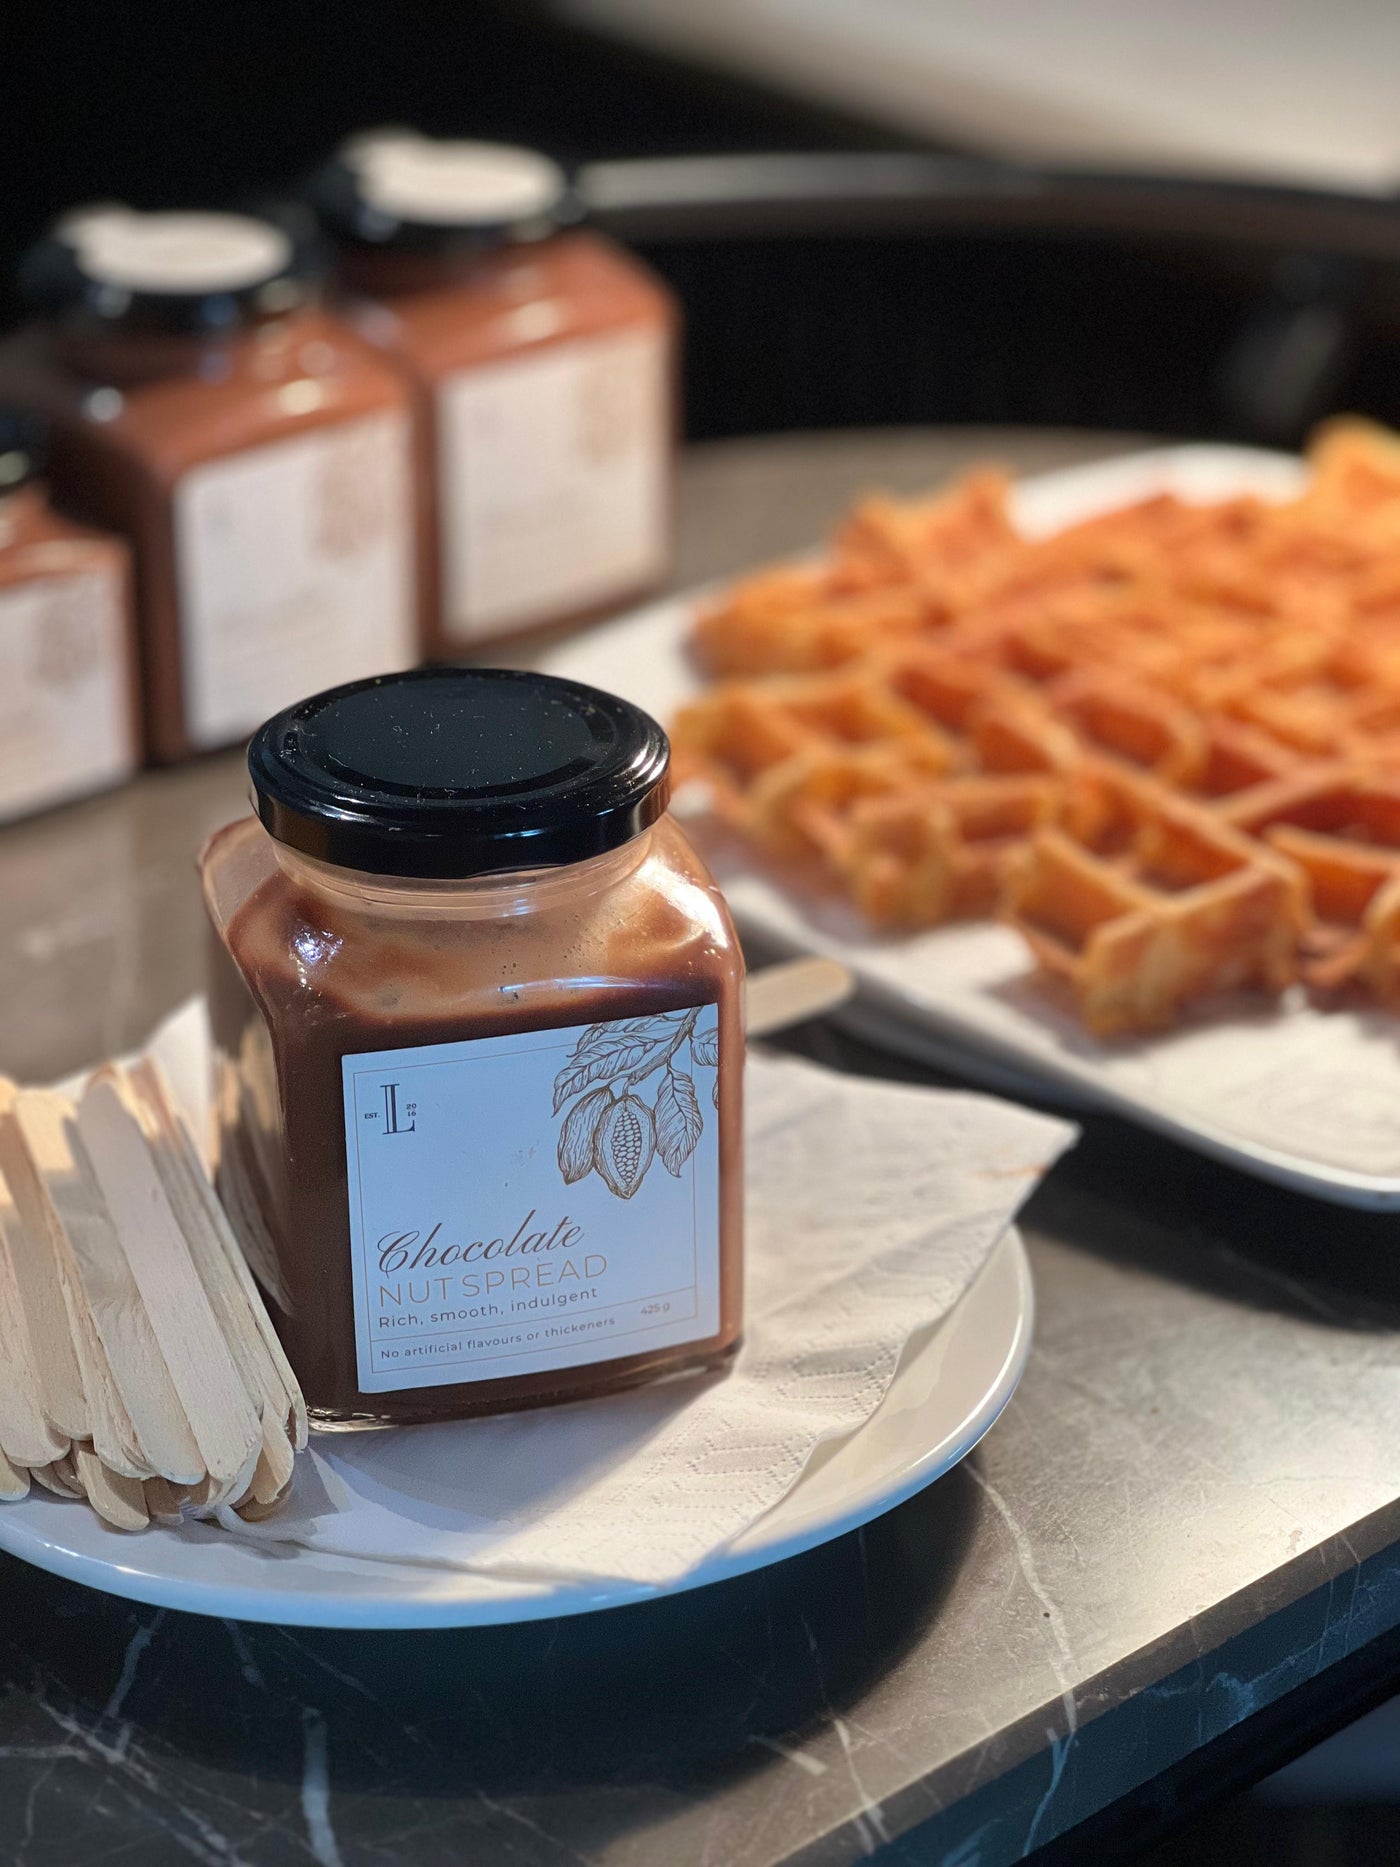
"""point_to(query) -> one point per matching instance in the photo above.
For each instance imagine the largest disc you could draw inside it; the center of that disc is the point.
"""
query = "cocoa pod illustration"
(624, 1145)
(578, 1135)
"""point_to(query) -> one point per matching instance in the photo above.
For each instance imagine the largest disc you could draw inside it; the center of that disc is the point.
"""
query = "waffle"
(1340, 826)
(908, 782)
(916, 858)
(1141, 902)
(1163, 744)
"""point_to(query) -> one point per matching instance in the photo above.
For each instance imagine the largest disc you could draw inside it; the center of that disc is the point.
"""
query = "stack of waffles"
(1163, 744)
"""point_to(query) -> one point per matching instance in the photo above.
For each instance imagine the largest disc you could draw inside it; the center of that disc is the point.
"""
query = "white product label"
(554, 481)
(295, 565)
(65, 708)
(526, 1203)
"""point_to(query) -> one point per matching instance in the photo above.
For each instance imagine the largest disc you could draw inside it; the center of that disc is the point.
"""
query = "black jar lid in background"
(396, 188)
(24, 442)
(109, 264)
(454, 772)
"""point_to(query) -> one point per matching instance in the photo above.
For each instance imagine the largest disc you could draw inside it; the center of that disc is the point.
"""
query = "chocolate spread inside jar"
(543, 362)
(477, 1013)
(256, 453)
(69, 722)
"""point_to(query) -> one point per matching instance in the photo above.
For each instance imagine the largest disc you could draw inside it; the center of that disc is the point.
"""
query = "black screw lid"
(393, 187)
(454, 772)
(23, 448)
(109, 264)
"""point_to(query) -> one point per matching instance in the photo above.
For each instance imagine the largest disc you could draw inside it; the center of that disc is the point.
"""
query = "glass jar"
(543, 359)
(478, 1025)
(68, 708)
(255, 451)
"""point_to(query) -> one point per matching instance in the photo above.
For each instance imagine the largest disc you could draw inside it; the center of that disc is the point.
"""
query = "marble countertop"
(1191, 1506)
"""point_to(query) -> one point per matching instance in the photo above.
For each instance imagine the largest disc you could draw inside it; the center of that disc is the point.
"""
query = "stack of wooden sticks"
(138, 1366)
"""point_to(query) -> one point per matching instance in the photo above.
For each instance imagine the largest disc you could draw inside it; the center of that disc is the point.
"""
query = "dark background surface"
(165, 104)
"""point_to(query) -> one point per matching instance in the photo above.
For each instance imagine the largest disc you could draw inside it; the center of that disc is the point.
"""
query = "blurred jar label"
(295, 567)
(65, 704)
(554, 481)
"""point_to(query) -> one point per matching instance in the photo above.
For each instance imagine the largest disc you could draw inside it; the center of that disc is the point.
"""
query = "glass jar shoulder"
(297, 374)
(389, 969)
(37, 542)
(676, 870)
(514, 303)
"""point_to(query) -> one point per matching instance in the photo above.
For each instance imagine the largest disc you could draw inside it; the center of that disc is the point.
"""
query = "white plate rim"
(878, 1013)
(1003, 1336)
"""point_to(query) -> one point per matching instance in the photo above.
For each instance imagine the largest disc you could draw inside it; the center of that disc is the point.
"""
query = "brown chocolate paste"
(311, 963)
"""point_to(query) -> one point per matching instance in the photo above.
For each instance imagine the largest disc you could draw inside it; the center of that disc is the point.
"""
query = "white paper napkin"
(870, 1209)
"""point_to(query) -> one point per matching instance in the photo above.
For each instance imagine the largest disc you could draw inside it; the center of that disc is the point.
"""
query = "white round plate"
(947, 1391)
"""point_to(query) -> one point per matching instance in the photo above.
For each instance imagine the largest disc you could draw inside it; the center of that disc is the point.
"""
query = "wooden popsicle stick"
(227, 1280)
(67, 1473)
(61, 1477)
(164, 1501)
(46, 1476)
(60, 1391)
(118, 1501)
(14, 1481)
(182, 1161)
(251, 1511)
(278, 1454)
(110, 1428)
(273, 1472)
(206, 1500)
(799, 989)
(26, 1434)
(237, 1190)
(201, 1498)
(241, 1480)
(226, 1298)
(119, 1317)
(221, 1415)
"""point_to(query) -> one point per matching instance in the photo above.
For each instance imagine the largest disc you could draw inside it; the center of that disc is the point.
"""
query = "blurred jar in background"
(68, 711)
(544, 360)
(256, 452)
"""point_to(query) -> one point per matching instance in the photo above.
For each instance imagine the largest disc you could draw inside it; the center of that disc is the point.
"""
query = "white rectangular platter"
(1305, 1097)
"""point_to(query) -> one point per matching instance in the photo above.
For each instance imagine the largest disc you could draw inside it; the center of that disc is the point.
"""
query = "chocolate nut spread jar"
(543, 360)
(478, 1022)
(68, 712)
(257, 454)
